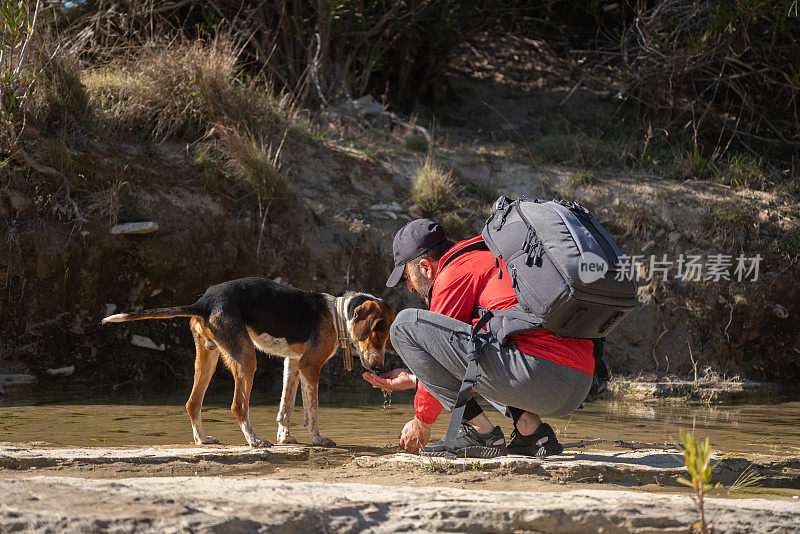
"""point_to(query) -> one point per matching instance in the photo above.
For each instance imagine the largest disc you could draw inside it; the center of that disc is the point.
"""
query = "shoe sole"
(468, 452)
(540, 452)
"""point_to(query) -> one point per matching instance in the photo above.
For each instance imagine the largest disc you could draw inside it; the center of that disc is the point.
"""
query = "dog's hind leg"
(243, 367)
(230, 335)
(309, 384)
(291, 377)
(205, 363)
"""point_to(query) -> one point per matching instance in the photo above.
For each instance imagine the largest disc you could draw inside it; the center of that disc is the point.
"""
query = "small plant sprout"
(749, 478)
(697, 458)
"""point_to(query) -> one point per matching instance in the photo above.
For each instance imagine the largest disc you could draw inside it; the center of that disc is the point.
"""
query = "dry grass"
(634, 221)
(433, 188)
(253, 163)
(59, 99)
(181, 88)
(731, 220)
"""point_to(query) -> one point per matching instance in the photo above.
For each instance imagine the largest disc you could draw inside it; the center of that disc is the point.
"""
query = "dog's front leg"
(309, 383)
(291, 377)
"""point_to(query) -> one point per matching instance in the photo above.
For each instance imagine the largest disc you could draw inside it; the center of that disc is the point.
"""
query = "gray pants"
(435, 347)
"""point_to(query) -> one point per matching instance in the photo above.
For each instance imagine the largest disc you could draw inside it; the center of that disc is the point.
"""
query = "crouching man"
(537, 374)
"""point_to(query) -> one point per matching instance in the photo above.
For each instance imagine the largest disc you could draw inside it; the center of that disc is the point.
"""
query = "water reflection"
(357, 419)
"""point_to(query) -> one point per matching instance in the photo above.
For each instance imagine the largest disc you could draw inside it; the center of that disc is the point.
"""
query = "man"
(536, 374)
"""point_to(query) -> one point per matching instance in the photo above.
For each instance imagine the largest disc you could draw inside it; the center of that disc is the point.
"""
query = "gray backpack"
(564, 269)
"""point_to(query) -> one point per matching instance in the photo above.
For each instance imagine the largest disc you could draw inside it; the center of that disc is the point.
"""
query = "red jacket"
(470, 280)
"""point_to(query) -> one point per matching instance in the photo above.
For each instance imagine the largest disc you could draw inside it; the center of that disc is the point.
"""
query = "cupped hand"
(394, 380)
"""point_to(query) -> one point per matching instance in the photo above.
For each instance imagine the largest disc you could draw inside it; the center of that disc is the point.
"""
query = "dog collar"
(341, 332)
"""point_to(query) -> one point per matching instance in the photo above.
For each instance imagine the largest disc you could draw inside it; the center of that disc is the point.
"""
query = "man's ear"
(365, 318)
(426, 268)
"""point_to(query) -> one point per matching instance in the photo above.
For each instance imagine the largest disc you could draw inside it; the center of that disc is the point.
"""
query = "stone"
(25, 457)
(16, 379)
(61, 371)
(146, 343)
(780, 311)
(134, 228)
(673, 237)
(110, 308)
(649, 246)
(394, 206)
(254, 504)
(740, 300)
(20, 204)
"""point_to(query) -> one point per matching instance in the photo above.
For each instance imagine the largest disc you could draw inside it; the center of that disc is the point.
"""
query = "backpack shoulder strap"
(477, 245)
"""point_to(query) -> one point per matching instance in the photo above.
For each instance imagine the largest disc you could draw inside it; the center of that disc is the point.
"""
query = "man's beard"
(424, 291)
(422, 285)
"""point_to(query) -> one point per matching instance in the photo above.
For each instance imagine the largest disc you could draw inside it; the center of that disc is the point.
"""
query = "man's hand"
(394, 380)
(415, 435)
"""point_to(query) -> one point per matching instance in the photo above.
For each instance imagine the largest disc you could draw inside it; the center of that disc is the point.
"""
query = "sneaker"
(470, 444)
(541, 443)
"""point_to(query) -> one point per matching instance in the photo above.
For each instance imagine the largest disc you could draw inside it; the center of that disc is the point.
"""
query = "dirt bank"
(349, 195)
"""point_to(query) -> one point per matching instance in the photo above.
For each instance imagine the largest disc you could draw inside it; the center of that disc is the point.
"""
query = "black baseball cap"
(412, 241)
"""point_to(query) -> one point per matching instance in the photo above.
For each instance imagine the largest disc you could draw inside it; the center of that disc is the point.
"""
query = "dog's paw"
(260, 443)
(207, 440)
(286, 439)
(323, 442)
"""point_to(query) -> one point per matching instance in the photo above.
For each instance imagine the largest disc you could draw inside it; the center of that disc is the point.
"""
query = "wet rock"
(780, 311)
(146, 343)
(16, 379)
(134, 228)
(61, 371)
(680, 390)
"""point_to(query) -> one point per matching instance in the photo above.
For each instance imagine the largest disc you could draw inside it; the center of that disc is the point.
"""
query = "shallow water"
(359, 420)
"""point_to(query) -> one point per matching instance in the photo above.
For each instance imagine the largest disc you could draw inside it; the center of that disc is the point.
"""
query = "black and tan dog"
(233, 318)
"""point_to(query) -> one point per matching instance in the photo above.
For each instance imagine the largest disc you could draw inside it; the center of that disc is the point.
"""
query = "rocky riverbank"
(289, 489)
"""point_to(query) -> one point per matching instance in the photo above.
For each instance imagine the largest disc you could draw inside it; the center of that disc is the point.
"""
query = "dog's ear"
(366, 317)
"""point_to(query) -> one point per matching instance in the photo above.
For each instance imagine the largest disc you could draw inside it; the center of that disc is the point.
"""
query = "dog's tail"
(156, 313)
